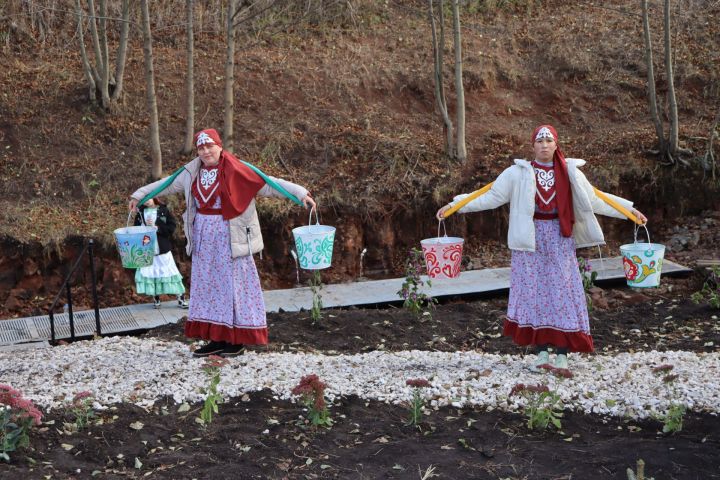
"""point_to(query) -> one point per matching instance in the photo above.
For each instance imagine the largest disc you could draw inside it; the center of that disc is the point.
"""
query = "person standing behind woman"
(552, 212)
(223, 232)
(163, 276)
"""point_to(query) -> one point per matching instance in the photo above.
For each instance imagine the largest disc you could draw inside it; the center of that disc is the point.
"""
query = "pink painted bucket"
(443, 255)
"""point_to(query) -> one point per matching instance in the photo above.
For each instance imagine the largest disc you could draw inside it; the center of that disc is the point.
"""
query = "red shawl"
(562, 185)
(238, 185)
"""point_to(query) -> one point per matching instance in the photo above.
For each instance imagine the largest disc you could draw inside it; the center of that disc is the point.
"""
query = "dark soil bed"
(259, 436)
(663, 319)
(262, 437)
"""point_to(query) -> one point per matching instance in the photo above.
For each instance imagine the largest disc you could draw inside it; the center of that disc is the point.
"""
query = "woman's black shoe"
(233, 350)
(212, 348)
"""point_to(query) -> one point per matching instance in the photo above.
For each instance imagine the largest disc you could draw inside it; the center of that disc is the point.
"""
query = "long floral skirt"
(226, 301)
(547, 303)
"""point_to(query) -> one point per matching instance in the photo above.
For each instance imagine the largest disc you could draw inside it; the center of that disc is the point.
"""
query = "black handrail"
(66, 286)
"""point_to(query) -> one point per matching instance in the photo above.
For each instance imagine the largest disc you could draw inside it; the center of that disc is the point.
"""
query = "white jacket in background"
(516, 185)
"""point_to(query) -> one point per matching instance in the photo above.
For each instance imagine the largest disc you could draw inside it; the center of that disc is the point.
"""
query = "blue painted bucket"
(136, 245)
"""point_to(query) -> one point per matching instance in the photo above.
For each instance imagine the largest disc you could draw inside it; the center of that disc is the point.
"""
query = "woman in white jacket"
(552, 212)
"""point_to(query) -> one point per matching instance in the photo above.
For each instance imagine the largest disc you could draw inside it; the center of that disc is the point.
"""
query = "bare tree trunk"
(709, 160)
(96, 43)
(189, 83)
(438, 46)
(87, 69)
(122, 51)
(652, 95)
(105, 71)
(672, 101)
(459, 90)
(150, 89)
(229, 76)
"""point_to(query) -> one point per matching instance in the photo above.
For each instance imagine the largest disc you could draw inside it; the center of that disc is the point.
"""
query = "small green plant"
(212, 368)
(17, 416)
(312, 394)
(417, 302)
(672, 419)
(81, 409)
(710, 291)
(543, 407)
(317, 305)
(588, 279)
(417, 402)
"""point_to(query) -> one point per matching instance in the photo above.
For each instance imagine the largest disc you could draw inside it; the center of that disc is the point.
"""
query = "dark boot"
(233, 350)
(212, 348)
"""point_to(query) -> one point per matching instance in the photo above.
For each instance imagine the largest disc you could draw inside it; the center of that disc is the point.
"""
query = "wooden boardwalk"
(23, 332)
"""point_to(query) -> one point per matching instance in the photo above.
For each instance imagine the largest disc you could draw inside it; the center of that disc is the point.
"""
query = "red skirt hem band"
(223, 333)
(573, 341)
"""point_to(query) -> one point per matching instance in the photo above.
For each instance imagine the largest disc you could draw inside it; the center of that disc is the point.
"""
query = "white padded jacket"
(516, 185)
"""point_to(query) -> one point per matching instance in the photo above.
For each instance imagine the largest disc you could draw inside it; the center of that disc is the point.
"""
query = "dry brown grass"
(344, 107)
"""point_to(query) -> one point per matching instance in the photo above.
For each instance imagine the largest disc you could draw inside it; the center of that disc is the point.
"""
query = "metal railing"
(67, 287)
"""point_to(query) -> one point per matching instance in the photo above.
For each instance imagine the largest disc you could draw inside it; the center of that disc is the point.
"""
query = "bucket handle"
(317, 219)
(441, 222)
(129, 217)
(637, 228)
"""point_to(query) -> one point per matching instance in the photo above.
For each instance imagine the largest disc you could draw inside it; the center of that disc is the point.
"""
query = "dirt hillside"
(344, 105)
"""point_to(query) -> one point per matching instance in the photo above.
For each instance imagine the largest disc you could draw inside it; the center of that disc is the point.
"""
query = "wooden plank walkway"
(470, 282)
(29, 330)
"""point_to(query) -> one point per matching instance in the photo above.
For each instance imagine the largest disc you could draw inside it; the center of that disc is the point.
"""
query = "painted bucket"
(642, 262)
(136, 245)
(314, 244)
(443, 255)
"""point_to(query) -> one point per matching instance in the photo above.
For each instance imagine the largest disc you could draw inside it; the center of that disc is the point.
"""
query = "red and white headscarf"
(562, 180)
(238, 183)
(209, 135)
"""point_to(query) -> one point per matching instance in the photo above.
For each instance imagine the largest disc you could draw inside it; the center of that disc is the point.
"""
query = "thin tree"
(438, 47)
(122, 52)
(461, 151)
(672, 101)
(668, 146)
(90, 74)
(709, 158)
(98, 75)
(189, 82)
(652, 95)
(229, 103)
(150, 91)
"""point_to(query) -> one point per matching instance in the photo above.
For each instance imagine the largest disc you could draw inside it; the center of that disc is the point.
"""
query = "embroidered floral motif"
(207, 184)
(204, 138)
(544, 132)
(208, 177)
(545, 178)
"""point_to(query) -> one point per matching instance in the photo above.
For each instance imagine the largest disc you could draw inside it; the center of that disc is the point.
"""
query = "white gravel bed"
(129, 369)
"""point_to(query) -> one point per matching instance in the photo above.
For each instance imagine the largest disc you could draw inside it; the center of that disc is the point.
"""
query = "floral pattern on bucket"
(136, 245)
(642, 262)
(314, 244)
(443, 255)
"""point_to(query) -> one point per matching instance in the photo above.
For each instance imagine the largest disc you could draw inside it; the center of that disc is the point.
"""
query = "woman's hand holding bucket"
(441, 213)
(309, 202)
(639, 216)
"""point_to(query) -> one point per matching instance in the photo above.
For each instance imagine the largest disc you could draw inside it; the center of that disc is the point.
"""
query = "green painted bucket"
(642, 262)
(136, 245)
(314, 244)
